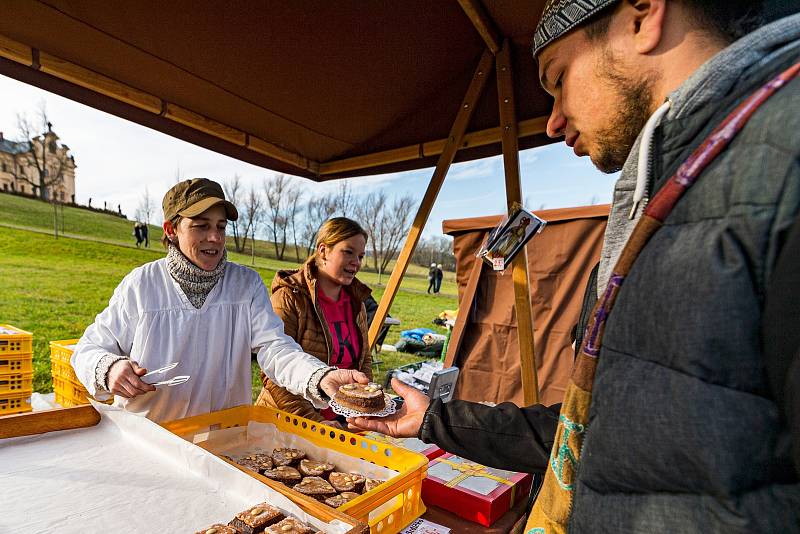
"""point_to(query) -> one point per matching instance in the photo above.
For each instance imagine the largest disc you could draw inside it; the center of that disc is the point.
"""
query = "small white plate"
(390, 408)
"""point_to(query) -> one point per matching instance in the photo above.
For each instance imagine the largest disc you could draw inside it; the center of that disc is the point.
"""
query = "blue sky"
(117, 159)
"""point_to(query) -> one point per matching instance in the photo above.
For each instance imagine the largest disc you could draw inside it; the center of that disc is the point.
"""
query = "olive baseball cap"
(190, 198)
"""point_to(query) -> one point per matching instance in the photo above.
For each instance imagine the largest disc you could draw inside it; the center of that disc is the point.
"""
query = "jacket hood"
(304, 280)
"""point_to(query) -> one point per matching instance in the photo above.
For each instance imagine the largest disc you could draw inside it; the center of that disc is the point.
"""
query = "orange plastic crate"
(16, 383)
(14, 341)
(387, 509)
(15, 403)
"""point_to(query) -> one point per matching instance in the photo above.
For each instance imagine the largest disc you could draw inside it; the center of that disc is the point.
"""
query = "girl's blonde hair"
(334, 231)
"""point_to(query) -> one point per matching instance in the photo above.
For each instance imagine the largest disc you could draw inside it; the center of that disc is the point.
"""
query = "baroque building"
(39, 167)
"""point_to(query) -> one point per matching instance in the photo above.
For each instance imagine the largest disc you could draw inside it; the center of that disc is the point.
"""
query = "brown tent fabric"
(560, 259)
(323, 80)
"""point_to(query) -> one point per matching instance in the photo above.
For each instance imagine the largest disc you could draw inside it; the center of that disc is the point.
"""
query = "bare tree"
(322, 207)
(293, 202)
(232, 187)
(282, 198)
(435, 249)
(146, 207)
(386, 226)
(44, 156)
(251, 217)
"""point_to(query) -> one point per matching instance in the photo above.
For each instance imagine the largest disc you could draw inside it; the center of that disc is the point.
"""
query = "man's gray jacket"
(689, 430)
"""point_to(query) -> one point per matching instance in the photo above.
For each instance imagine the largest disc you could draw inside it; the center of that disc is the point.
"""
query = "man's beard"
(635, 96)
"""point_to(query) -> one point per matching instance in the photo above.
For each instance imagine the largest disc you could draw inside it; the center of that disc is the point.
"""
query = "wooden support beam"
(453, 141)
(477, 15)
(485, 137)
(98, 83)
(15, 51)
(522, 294)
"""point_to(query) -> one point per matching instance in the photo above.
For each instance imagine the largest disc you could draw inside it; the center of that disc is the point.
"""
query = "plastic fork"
(174, 381)
(164, 369)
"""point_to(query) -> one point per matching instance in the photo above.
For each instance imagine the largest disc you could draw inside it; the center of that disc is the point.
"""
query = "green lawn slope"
(55, 287)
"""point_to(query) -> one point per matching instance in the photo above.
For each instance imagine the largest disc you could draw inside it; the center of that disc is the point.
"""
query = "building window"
(5, 186)
(5, 168)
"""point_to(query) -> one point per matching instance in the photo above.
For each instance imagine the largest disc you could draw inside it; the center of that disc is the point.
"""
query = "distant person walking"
(439, 276)
(143, 232)
(432, 278)
(137, 233)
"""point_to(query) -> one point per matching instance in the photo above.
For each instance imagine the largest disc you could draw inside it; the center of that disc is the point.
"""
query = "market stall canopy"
(315, 88)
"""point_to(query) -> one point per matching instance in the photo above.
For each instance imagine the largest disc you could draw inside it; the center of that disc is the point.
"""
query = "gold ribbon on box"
(470, 469)
(383, 438)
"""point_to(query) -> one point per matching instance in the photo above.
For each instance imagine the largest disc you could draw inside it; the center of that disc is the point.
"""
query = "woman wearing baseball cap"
(196, 308)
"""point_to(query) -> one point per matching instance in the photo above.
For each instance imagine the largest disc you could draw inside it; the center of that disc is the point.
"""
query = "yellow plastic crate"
(17, 363)
(61, 352)
(67, 402)
(14, 341)
(71, 393)
(15, 403)
(63, 371)
(387, 509)
(16, 383)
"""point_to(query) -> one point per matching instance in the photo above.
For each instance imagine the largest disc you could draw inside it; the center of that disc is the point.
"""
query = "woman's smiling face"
(342, 262)
(202, 238)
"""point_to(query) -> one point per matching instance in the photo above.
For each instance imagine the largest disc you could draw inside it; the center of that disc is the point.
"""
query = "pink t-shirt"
(346, 345)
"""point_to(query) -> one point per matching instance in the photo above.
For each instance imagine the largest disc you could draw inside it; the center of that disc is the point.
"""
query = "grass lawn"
(55, 287)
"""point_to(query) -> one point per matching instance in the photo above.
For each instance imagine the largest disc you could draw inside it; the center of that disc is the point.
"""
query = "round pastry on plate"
(365, 398)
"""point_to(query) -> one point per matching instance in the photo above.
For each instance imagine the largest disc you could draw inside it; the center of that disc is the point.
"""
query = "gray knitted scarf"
(195, 282)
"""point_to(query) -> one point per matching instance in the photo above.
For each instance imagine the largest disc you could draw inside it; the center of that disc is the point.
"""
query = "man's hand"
(331, 381)
(123, 379)
(405, 422)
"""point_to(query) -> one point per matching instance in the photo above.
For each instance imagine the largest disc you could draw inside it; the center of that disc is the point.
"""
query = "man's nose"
(556, 123)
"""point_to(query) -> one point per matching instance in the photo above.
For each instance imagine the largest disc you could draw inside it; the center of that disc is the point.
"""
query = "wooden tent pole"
(483, 24)
(445, 159)
(522, 295)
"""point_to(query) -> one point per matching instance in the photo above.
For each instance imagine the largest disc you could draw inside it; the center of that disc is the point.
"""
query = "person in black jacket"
(693, 422)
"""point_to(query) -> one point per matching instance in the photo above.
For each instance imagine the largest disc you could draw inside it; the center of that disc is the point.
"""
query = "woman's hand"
(405, 422)
(123, 379)
(331, 382)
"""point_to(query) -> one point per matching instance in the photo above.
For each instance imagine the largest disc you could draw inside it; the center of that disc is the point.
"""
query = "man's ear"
(169, 230)
(646, 21)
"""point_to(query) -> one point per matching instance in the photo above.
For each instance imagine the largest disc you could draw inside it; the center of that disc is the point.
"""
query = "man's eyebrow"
(545, 83)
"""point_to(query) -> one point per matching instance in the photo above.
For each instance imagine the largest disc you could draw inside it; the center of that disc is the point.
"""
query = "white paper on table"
(126, 474)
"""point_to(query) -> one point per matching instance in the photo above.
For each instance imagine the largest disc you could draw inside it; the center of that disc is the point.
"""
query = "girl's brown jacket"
(294, 299)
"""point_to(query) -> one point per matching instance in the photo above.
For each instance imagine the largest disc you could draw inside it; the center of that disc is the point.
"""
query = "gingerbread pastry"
(290, 525)
(218, 528)
(347, 481)
(284, 474)
(312, 468)
(287, 456)
(316, 487)
(254, 520)
(256, 462)
(338, 500)
(367, 398)
(371, 484)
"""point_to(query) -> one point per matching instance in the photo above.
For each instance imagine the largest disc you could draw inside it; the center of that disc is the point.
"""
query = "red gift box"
(412, 444)
(473, 491)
